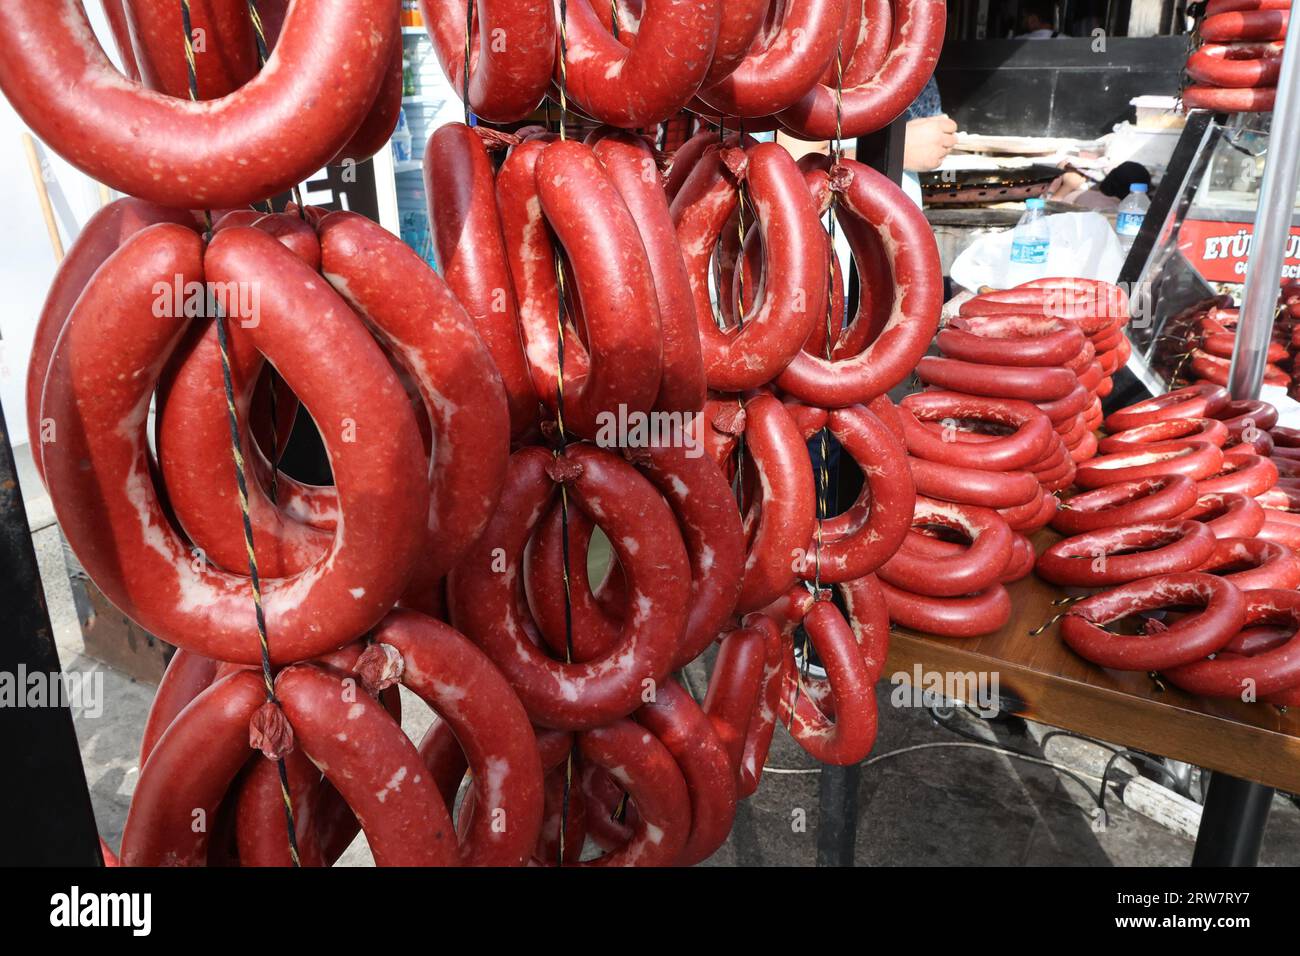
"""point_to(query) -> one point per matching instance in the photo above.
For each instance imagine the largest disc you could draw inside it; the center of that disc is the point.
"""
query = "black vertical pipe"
(1232, 822)
(45, 813)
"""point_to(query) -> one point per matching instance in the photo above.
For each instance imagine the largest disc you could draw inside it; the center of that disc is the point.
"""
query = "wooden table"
(1042, 679)
(1252, 747)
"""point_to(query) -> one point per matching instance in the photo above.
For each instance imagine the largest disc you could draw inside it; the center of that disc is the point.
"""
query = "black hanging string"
(562, 439)
(240, 475)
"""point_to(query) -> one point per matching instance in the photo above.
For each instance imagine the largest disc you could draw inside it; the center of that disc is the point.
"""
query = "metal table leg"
(1232, 823)
(45, 813)
(837, 827)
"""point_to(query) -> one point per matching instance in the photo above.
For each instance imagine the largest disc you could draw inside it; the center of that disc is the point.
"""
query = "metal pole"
(1236, 811)
(1272, 230)
(45, 814)
(1232, 823)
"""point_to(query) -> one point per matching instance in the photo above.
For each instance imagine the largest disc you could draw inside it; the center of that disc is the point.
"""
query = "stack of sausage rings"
(1214, 332)
(477, 449)
(1236, 67)
(812, 68)
(1183, 522)
(1011, 411)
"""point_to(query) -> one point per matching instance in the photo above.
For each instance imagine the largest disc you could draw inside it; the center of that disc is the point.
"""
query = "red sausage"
(1195, 459)
(563, 185)
(227, 58)
(1118, 555)
(485, 604)
(783, 517)
(878, 222)
(511, 53)
(417, 317)
(631, 167)
(970, 616)
(102, 235)
(645, 768)
(471, 255)
(1238, 671)
(253, 143)
(1126, 503)
(368, 759)
(843, 729)
(858, 541)
(1253, 564)
(1195, 401)
(461, 684)
(794, 244)
(381, 486)
(974, 569)
(648, 81)
(1192, 637)
(188, 773)
(784, 63)
(1238, 25)
(996, 381)
(1024, 447)
(875, 103)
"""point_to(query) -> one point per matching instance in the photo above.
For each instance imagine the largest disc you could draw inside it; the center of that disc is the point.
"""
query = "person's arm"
(927, 142)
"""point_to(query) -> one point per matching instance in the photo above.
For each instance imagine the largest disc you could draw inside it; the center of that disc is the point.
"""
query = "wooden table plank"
(1042, 679)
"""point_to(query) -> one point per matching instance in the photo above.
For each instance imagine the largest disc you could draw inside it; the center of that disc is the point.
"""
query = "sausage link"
(415, 314)
(918, 30)
(875, 215)
(217, 153)
(783, 64)
(368, 759)
(1127, 502)
(794, 244)
(969, 616)
(471, 254)
(1026, 445)
(692, 740)
(563, 185)
(974, 569)
(1260, 672)
(631, 166)
(645, 768)
(160, 585)
(181, 786)
(102, 235)
(1192, 429)
(487, 607)
(650, 80)
(462, 685)
(1192, 637)
(511, 56)
(1195, 459)
(1119, 555)
(852, 544)
(843, 729)
(1253, 564)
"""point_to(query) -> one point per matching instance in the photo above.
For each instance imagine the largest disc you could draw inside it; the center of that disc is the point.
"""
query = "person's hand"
(927, 142)
(1066, 186)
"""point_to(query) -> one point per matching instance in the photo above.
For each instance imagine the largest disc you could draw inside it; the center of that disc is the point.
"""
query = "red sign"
(1218, 250)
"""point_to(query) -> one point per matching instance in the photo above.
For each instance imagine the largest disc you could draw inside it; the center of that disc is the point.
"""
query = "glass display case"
(1197, 240)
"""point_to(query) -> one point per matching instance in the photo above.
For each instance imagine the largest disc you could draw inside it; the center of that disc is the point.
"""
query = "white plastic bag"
(1083, 245)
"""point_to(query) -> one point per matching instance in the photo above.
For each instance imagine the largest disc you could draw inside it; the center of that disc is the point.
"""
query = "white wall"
(27, 261)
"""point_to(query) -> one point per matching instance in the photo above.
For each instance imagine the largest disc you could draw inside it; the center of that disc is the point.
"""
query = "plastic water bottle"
(1029, 244)
(1131, 213)
(402, 139)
